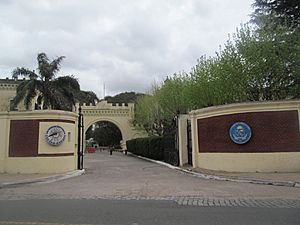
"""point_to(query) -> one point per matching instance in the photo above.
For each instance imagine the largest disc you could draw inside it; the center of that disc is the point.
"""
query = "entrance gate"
(189, 143)
(119, 114)
(80, 138)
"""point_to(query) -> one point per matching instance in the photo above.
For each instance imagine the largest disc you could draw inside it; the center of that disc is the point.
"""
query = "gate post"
(79, 136)
(183, 139)
(82, 140)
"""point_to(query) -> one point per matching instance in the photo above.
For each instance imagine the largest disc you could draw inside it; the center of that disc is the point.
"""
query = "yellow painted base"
(40, 164)
(250, 162)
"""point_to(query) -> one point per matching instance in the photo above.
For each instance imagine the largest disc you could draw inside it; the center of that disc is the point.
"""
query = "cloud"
(124, 44)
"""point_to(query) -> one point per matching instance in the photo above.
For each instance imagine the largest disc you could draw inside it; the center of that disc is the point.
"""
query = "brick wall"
(274, 131)
(24, 138)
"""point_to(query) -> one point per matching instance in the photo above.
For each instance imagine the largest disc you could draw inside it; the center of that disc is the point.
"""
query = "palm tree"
(51, 92)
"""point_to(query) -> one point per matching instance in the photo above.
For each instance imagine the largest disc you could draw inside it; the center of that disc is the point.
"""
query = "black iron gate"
(80, 151)
(171, 154)
(189, 143)
(171, 143)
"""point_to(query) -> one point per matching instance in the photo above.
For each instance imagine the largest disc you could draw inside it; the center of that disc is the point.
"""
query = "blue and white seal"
(240, 133)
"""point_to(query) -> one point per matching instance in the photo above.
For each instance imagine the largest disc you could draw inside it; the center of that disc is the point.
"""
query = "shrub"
(142, 145)
(131, 146)
(151, 147)
(156, 150)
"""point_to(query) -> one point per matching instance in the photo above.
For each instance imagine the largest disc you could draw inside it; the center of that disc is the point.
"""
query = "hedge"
(150, 147)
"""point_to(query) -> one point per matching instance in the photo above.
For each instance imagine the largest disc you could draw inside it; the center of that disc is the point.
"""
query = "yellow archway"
(119, 114)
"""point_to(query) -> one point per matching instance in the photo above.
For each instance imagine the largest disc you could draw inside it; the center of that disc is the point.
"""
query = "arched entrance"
(103, 134)
(120, 115)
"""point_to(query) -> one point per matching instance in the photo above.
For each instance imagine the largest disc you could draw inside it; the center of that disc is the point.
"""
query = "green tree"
(51, 92)
(217, 80)
(171, 96)
(125, 97)
(277, 12)
(271, 62)
(105, 134)
(253, 66)
(87, 97)
(149, 113)
(257, 63)
(278, 32)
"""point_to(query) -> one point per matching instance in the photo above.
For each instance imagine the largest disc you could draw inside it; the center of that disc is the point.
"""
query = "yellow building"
(8, 89)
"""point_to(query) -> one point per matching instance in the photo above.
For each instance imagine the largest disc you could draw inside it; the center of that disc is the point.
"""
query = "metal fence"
(171, 153)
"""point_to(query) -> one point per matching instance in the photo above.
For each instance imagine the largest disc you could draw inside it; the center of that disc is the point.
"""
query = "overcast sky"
(126, 44)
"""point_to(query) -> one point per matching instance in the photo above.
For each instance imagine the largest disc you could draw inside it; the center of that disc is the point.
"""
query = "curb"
(224, 178)
(44, 180)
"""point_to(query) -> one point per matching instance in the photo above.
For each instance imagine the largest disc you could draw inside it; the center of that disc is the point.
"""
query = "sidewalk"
(11, 180)
(276, 179)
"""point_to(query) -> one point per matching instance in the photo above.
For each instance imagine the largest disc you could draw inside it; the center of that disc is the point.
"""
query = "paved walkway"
(127, 177)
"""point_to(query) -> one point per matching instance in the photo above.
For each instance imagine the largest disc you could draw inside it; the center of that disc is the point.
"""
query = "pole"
(82, 138)
(177, 135)
(79, 141)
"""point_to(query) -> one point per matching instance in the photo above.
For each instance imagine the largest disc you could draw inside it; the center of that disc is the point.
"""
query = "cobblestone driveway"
(128, 178)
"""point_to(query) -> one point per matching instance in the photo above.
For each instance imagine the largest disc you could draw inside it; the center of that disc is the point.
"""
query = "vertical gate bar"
(189, 138)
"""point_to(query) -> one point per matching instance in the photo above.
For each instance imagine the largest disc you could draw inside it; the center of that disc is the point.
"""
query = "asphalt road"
(132, 212)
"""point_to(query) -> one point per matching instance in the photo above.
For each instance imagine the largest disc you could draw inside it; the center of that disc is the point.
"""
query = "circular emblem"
(55, 135)
(240, 133)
